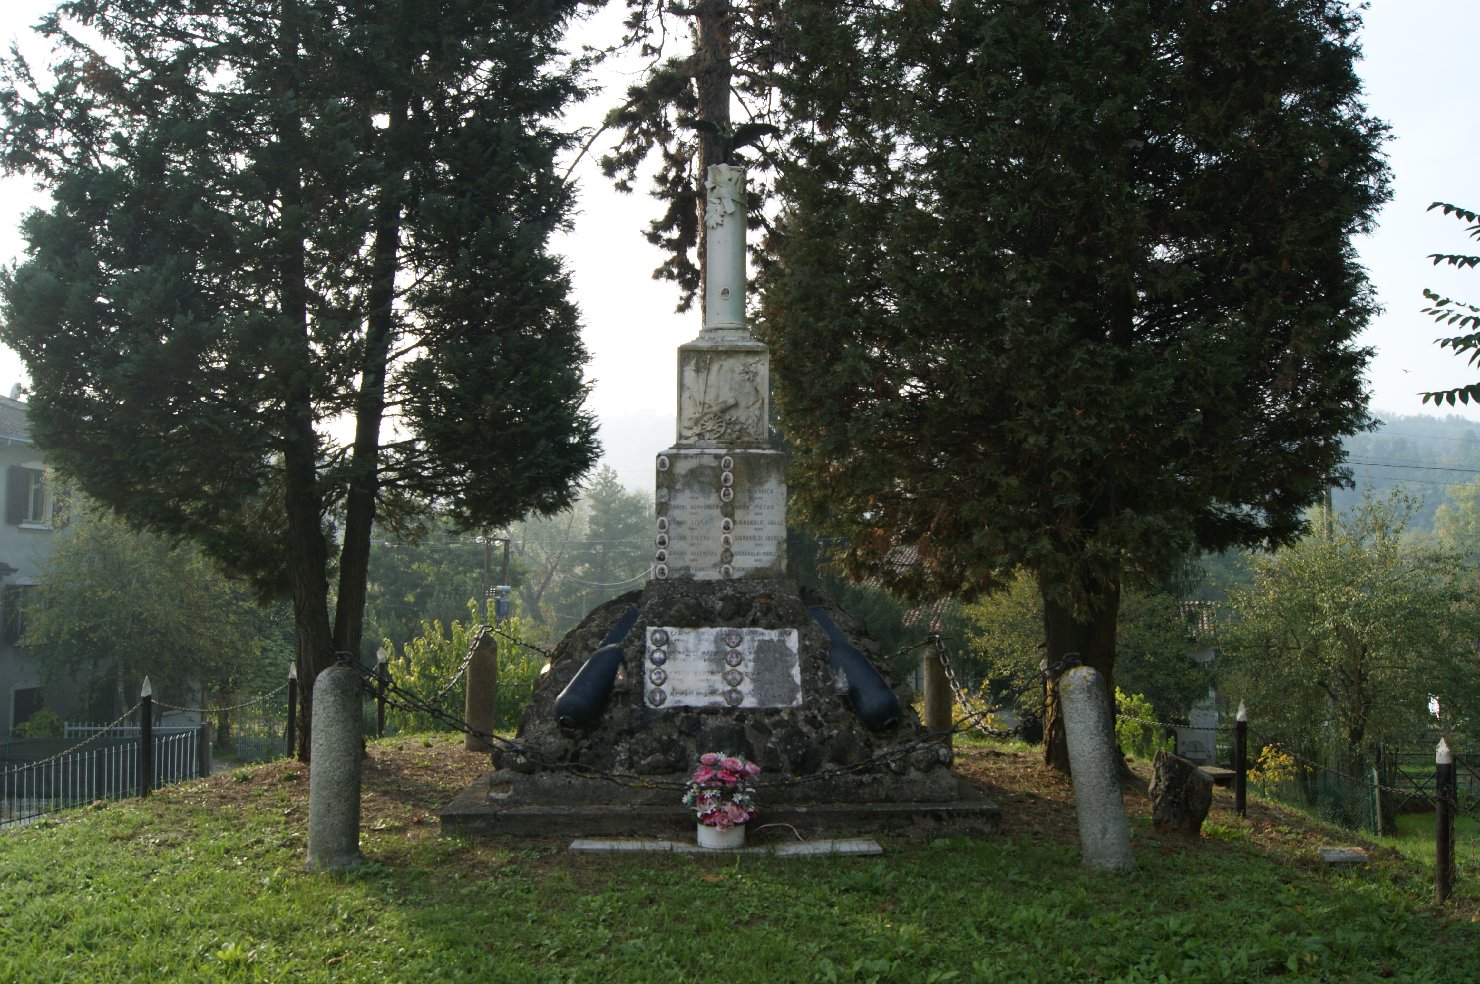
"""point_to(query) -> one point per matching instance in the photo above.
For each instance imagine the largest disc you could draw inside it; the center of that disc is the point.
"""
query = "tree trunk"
(364, 477)
(1088, 635)
(712, 80)
(307, 551)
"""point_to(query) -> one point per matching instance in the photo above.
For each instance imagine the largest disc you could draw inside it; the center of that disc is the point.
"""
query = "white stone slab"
(723, 392)
(721, 667)
(720, 514)
(855, 846)
(1344, 857)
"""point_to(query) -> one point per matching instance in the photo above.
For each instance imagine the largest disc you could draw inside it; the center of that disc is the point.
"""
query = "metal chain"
(447, 689)
(403, 700)
(976, 718)
(520, 642)
(221, 710)
(83, 743)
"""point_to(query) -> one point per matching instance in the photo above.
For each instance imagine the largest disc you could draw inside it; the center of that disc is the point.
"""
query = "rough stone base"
(895, 780)
(505, 803)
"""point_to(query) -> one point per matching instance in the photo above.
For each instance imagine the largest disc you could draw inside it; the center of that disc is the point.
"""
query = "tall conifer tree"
(1069, 286)
(296, 272)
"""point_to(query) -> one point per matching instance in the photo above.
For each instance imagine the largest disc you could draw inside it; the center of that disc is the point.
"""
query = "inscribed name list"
(721, 667)
(721, 515)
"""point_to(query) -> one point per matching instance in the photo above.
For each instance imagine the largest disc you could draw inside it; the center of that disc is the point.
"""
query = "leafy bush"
(1136, 736)
(430, 662)
(45, 723)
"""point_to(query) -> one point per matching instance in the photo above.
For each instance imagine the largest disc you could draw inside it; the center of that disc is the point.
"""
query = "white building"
(25, 542)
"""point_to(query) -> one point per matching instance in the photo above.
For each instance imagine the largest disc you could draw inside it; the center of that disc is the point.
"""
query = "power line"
(1413, 467)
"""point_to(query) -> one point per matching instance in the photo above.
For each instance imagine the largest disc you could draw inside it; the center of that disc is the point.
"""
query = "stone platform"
(525, 806)
(851, 847)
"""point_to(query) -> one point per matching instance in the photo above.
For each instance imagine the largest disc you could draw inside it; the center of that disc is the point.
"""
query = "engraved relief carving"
(722, 199)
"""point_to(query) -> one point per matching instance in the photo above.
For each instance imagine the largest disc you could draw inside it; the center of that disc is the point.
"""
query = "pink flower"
(709, 758)
(732, 764)
(717, 818)
(703, 774)
(728, 778)
(736, 813)
(751, 769)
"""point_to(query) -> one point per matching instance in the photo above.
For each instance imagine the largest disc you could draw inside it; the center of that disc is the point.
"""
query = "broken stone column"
(334, 771)
(1104, 839)
(1181, 795)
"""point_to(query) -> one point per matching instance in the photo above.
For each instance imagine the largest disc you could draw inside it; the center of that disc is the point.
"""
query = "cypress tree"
(296, 276)
(1069, 287)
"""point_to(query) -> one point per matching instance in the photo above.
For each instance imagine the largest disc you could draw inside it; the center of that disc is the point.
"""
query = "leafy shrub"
(1135, 727)
(430, 661)
(45, 723)
(1273, 769)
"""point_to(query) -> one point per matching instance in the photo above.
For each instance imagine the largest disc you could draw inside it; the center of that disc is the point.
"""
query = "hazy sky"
(1416, 78)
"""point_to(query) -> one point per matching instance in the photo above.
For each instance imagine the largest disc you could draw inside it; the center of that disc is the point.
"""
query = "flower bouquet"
(721, 795)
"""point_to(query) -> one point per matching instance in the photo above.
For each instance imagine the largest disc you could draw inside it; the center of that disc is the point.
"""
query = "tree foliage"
(571, 563)
(114, 606)
(1155, 637)
(276, 223)
(679, 111)
(428, 575)
(1069, 287)
(1451, 313)
(1339, 643)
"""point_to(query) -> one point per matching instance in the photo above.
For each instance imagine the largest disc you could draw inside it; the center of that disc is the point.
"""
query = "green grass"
(207, 884)
(1415, 839)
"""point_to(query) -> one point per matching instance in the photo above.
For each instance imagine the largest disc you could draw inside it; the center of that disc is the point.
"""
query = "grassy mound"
(205, 882)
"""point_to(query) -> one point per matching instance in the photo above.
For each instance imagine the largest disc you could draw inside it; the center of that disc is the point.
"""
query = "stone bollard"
(1104, 839)
(334, 771)
(481, 692)
(938, 699)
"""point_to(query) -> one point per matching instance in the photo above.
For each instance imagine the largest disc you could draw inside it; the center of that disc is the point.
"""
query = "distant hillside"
(1426, 455)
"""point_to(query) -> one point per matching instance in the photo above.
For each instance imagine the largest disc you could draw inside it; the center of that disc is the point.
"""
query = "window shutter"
(10, 630)
(17, 494)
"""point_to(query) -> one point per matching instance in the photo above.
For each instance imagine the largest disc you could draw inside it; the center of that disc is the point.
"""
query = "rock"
(1181, 795)
(1344, 857)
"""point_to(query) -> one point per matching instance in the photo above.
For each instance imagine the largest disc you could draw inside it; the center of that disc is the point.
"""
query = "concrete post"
(937, 692)
(334, 771)
(1444, 803)
(1241, 761)
(1103, 835)
(481, 691)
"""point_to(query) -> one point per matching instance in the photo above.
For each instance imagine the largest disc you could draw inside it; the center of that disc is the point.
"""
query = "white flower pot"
(722, 840)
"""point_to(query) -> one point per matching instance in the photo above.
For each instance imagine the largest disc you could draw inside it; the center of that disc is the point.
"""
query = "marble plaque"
(721, 667)
(720, 514)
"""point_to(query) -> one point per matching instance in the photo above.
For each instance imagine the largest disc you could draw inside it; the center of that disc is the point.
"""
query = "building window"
(27, 497)
(16, 597)
(24, 703)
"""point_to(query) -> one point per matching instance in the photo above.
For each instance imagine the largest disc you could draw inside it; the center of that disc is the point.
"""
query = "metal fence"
(105, 764)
